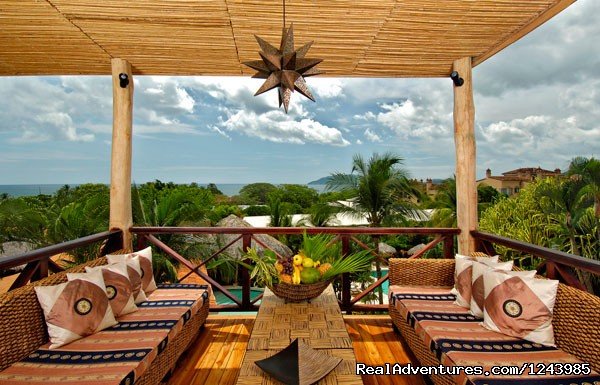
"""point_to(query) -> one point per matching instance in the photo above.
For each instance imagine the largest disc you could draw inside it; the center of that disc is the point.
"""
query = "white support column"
(120, 167)
(464, 139)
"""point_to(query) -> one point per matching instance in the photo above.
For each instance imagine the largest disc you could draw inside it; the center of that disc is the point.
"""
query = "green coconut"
(310, 275)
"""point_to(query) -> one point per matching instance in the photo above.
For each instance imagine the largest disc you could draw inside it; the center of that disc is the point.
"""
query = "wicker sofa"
(23, 329)
(576, 318)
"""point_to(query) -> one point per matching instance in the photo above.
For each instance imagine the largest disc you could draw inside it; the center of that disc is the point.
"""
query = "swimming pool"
(384, 285)
(237, 291)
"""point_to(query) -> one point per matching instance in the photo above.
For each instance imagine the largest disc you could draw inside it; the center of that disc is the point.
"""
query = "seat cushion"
(457, 339)
(120, 354)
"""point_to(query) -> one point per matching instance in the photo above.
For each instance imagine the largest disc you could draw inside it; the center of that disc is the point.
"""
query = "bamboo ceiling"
(369, 38)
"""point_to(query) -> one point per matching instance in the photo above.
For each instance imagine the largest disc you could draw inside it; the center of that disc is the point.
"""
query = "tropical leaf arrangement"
(318, 259)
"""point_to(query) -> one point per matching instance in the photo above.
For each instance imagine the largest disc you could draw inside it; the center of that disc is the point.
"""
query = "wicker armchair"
(576, 319)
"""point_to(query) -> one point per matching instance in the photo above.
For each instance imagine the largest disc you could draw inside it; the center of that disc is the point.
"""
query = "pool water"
(223, 300)
(385, 286)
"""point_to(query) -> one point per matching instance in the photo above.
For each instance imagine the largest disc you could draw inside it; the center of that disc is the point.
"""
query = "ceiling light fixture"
(285, 67)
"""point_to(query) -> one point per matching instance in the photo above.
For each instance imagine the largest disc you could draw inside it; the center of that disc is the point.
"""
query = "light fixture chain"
(283, 13)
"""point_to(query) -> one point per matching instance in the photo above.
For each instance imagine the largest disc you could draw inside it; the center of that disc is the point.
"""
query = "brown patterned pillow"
(135, 274)
(463, 270)
(520, 306)
(76, 308)
(477, 295)
(118, 287)
(148, 282)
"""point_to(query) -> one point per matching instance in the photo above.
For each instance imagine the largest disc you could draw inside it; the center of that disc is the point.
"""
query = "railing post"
(246, 244)
(550, 270)
(141, 242)
(346, 294)
(449, 246)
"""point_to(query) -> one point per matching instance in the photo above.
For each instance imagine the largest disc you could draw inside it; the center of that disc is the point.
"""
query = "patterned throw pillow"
(463, 269)
(135, 274)
(118, 287)
(76, 308)
(477, 294)
(148, 283)
(520, 306)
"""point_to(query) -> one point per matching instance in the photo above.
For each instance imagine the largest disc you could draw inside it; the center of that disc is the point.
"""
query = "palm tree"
(445, 205)
(170, 206)
(561, 198)
(588, 169)
(380, 190)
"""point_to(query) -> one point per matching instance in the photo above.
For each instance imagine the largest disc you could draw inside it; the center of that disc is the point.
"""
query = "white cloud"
(276, 126)
(371, 136)
(326, 88)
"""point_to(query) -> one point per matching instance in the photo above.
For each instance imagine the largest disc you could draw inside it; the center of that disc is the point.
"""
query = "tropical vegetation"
(561, 213)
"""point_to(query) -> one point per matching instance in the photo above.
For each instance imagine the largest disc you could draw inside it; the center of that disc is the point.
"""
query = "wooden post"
(464, 139)
(120, 166)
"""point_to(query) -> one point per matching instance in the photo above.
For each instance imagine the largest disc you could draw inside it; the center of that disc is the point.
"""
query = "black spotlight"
(458, 81)
(123, 80)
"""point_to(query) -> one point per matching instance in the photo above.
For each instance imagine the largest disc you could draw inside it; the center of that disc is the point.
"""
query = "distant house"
(511, 182)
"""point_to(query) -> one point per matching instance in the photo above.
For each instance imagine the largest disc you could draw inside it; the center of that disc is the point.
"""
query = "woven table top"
(319, 324)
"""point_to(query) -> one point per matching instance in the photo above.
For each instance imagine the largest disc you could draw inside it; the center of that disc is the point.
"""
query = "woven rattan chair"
(576, 318)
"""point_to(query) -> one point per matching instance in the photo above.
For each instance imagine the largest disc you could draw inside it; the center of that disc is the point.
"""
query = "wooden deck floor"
(217, 354)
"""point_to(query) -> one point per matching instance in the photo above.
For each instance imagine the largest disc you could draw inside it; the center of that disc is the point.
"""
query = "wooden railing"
(555, 264)
(38, 263)
(247, 235)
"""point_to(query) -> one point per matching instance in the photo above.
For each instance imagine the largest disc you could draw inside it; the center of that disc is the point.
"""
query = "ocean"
(18, 190)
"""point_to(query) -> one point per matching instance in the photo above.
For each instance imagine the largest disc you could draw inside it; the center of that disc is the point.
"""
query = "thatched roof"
(371, 38)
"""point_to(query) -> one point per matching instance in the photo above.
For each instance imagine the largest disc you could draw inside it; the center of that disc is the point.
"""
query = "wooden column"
(464, 139)
(120, 166)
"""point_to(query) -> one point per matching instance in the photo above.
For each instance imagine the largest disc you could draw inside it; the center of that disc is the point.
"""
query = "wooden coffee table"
(319, 324)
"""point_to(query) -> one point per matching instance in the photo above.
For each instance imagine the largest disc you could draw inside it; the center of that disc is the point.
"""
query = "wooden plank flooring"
(215, 357)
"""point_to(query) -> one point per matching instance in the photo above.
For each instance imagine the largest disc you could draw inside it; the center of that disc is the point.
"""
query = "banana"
(296, 276)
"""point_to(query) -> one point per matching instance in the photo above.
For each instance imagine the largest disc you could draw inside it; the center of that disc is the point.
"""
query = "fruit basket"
(305, 275)
(299, 293)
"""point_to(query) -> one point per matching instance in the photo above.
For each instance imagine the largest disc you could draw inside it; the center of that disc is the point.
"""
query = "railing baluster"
(550, 270)
(346, 293)
(449, 246)
(246, 245)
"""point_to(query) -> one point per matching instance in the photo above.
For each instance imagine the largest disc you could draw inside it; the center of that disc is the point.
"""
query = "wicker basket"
(299, 293)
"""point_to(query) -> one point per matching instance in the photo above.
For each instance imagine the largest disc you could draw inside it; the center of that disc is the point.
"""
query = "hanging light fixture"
(284, 68)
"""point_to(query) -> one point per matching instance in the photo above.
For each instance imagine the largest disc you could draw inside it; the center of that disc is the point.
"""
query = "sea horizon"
(19, 190)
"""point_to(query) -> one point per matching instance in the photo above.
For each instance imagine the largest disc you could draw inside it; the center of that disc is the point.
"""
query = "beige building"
(511, 182)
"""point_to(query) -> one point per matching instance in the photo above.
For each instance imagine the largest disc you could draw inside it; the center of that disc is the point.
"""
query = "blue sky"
(537, 104)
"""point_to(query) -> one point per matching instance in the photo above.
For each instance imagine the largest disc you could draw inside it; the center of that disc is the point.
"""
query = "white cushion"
(463, 269)
(477, 292)
(76, 308)
(135, 274)
(520, 306)
(118, 287)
